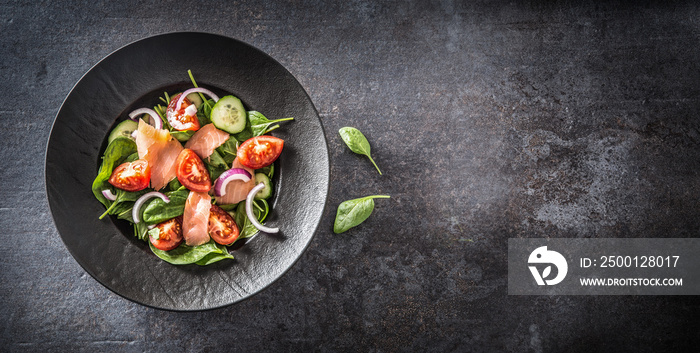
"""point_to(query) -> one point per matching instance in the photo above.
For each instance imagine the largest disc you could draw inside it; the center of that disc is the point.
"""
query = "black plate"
(106, 248)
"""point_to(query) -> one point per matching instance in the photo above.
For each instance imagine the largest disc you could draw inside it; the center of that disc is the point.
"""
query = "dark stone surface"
(489, 120)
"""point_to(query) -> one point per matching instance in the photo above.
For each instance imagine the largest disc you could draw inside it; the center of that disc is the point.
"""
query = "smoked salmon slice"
(206, 140)
(195, 220)
(160, 150)
(237, 190)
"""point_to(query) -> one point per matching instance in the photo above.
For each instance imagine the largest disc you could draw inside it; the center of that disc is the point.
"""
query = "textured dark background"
(489, 120)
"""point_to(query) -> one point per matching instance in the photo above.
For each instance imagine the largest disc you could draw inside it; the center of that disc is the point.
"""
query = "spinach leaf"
(228, 150)
(115, 153)
(211, 258)
(174, 185)
(182, 136)
(123, 211)
(353, 212)
(204, 111)
(121, 197)
(132, 157)
(246, 134)
(157, 210)
(357, 142)
(269, 171)
(260, 125)
(141, 231)
(184, 254)
(216, 160)
(247, 229)
(214, 170)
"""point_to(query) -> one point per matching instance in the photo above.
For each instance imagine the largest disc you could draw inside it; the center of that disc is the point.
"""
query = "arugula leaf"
(353, 212)
(184, 254)
(157, 210)
(260, 125)
(115, 153)
(357, 142)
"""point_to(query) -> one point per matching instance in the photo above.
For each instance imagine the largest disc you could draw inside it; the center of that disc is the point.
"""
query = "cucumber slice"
(195, 99)
(267, 190)
(123, 129)
(229, 115)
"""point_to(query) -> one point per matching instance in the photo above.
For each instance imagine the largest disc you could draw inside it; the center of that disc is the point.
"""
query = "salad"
(192, 174)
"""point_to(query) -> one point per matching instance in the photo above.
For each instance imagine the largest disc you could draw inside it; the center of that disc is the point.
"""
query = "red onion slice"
(155, 118)
(136, 211)
(107, 193)
(249, 210)
(195, 90)
(228, 176)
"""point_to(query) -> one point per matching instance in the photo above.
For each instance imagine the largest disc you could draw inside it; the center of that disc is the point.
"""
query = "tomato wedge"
(191, 171)
(260, 151)
(179, 119)
(222, 228)
(169, 235)
(131, 176)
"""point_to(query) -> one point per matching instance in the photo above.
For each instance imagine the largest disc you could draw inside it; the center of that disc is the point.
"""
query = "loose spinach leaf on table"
(353, 212)
(116, 152)
(357, 142)
(184, 254)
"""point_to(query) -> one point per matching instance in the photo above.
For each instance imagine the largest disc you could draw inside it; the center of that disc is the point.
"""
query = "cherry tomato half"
(191, 171)
(170, 235)
(179, 119)
(260, 151)
(131, 176)
(222, 228)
